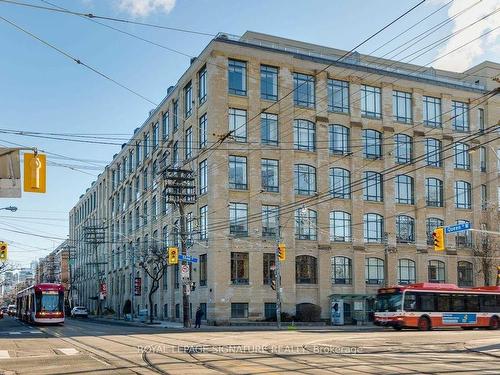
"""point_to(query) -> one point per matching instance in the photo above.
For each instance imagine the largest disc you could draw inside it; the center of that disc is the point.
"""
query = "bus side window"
(488, 303)
(443, 302)
(427, 302)
(458, 303)
(410, 301)
(472, 302)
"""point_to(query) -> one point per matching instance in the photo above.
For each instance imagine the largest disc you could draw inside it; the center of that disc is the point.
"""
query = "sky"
(44, 91)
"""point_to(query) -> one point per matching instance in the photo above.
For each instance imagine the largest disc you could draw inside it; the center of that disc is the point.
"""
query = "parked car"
(11, 310)
(4, 309)
(79, 311)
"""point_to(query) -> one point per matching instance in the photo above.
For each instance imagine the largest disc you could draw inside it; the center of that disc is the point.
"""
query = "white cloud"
(142, 8)
(471, 54)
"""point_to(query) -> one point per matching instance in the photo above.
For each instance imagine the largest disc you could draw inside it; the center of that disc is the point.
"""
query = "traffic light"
(173, 255)
(438, 238)
(3, 251)
(35, 173)
(281, 252)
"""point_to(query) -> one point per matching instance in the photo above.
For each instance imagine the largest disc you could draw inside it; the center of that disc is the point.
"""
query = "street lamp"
(10, 208)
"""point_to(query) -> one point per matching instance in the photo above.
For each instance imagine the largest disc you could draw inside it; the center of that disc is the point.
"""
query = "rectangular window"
(269, 129)
(270, 221)
(484, 197)
(146, 146)
(482, 158)
(175, 153)
(203, 223)
(203, 269)
(238, 172)
(203, 177)
(238, 219)
(303, 94)
(239, 310)
(239, 268)
(432, 111)
(188, 142)
(268, 82)
(131, 161)
(401, 107)
(165, 126)
(138, 156)
(203, 131)
(188, 100)
(481, 119)
(433, 152)
(268, 267)
(460, 116)
(176, 114)
(237, 77)
(371, 101)
(270, 175)
(338, 96)
(156, 135)
(238, 124)
(202, 85)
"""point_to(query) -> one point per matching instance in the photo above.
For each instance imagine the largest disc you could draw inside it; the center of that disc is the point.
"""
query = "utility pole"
(181, 192)
(277, 278)
(94, 234)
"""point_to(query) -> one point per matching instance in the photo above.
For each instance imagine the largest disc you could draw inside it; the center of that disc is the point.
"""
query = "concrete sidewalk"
(161, 324)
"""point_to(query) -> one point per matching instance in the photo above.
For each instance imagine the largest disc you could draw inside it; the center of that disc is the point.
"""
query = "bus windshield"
(390, 302)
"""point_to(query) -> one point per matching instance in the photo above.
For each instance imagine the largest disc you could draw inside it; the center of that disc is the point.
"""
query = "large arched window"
(304, 135)
(305, 179)
(372, 144)
(433, 192)
(341, 270)
(373, 187)
(305, 269)
(338, 139)
(404, 189)
(405, 229)
(373, 227)
(436, 270)
(406, 271)
(306, 224)
(374, 271)
(465, 275)
(340, 226)
(403, 148)
(462, 194)
(340, 183)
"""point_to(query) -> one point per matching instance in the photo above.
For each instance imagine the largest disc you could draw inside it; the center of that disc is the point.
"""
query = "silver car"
(79, 311)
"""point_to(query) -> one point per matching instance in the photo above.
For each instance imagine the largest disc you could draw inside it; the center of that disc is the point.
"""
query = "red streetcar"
(429, 305)
(41, 303)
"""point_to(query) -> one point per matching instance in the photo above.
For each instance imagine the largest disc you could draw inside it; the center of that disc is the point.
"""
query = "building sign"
(458, 318)
(137, 286)
(337, 312)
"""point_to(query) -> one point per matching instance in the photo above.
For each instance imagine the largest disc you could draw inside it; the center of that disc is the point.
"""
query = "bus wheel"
(493, 323)
(424, 324)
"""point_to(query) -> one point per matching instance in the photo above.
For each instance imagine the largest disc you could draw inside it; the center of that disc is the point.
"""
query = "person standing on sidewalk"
(199, 315)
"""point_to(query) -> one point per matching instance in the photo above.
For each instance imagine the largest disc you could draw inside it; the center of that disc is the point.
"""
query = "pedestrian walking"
(199, 315)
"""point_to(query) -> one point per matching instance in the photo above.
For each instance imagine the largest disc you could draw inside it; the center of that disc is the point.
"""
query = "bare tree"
(5, 267)
(153, 262)
(486, 251)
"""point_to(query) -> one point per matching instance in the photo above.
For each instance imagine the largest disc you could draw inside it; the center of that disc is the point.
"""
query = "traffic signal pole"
(277, 278)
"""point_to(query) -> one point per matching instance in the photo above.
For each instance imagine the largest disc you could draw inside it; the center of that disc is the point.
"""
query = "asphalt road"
(90, 347)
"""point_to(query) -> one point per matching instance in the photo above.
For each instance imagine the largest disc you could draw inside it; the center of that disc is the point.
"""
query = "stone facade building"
(350, 161)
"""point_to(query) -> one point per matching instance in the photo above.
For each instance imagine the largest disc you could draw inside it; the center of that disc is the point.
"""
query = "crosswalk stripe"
(4, 354)
(68, 351)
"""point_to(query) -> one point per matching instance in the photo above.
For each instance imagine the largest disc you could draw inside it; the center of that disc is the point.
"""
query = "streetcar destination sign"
(457, 228)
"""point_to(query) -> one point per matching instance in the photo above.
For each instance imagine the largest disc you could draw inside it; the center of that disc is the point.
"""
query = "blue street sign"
(457, 228)
(188, 258)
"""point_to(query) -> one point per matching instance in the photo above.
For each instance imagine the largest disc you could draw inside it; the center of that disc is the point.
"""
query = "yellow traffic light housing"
(438, 239)
(173, 255)
(281, 252)
(35, 173)
(3, 251)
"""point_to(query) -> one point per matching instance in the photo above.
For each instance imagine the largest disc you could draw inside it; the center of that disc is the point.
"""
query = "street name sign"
(457, 228)
(188, 258)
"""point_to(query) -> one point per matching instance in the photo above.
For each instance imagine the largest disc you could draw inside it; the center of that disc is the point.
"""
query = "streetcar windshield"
(388, 302)
(49, 302)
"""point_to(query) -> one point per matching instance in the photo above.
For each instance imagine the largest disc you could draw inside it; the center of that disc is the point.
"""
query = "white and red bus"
(41, 303)
(430, 305)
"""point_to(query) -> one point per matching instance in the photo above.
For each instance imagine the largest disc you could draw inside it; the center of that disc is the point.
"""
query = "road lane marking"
(68, 351)
(14, 333)
(4, 354)
(36, 332)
